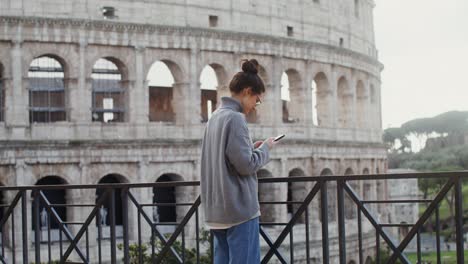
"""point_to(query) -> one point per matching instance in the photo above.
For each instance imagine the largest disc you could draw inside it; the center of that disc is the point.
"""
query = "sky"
(423, 45)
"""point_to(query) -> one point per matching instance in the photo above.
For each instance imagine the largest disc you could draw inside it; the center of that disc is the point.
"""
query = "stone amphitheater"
(80, 100)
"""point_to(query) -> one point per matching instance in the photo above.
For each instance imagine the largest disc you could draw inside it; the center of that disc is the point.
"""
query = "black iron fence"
(124, 223)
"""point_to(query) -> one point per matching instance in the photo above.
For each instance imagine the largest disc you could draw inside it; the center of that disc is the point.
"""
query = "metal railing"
(27, 230)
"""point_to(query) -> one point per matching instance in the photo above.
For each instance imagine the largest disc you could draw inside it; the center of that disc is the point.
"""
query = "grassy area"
(444, 210)
(446, 257)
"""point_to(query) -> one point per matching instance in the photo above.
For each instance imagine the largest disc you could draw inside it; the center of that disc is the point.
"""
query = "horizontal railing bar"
(72, 205)
(166, 204)
(101, 186)
(396, 225)
(73, 223)
(279, 202)
(422, 175)
(166, 223)
(272, 224)
(397, 201)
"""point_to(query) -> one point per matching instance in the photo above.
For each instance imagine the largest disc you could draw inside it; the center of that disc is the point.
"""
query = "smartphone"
(279, 137)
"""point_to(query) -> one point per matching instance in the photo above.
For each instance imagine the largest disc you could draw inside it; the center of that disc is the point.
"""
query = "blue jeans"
(237, 245)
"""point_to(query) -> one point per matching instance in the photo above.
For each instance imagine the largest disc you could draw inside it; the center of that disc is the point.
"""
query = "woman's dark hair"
(248, 77)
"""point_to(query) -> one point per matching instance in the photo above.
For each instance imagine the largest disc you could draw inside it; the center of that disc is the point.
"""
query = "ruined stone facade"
(326, 48)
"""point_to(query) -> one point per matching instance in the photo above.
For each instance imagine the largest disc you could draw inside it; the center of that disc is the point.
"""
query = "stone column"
(139, 94)
(282, 215)
(143, 195)
(81, 102)
(333, 98)
(17, 98)
(308, 103)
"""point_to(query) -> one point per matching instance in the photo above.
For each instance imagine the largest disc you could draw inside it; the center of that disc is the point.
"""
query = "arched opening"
(265, 194)
(352, 262)
(2, 96)
(292, 96)
(108, 96)
(296, 193)
(331, 197)
(349, 206)
(161, 93)
(104, 211)
(47, 101)
(361, 105)
(54, 196)
(165, 195)
(209, 95)
(344, 103)
(321, 90)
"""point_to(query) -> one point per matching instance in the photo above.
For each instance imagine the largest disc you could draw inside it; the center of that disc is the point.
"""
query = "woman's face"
(250, 100)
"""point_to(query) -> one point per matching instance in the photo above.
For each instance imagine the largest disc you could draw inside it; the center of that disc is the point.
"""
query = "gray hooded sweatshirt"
(229, 164)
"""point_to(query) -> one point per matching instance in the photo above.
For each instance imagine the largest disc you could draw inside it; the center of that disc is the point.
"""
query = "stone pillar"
(308, 103)
(139, 94)
(187, 96)
(81, 103)
(334, 98)
(78, 112)
(17, 98)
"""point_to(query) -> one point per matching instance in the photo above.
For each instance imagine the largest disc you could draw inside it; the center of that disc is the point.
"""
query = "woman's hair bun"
(250, 66)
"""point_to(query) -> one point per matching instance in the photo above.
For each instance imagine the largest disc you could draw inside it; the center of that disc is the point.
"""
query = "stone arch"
(54, 196)
(265, 194)
(296, 193)
(292, 96)
(344, 103)
(352, 262)
(161, 81)
(47, 89)
(322, 106)
(168, 195)
(105, 209)
(365, 171)
(361, 105)
(210, 96)
(368, 260)
(109, 90)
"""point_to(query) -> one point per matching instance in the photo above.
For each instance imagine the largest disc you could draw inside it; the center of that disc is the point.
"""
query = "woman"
(229, 164)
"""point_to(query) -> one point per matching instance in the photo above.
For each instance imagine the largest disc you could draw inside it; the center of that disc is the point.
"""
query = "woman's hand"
(257, 144)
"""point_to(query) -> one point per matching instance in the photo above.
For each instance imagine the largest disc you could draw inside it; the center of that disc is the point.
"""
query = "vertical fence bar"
(324, 213)
(140, 250)
(87, 244)
(459, 219)
(183, 245)
(13, 243)
(437, 234)
(291, 245)
(24, 222)
(37, 227)
(359, 219)
(153, 241)
(112, 227)
(307, 235)
(341, 222)
(377, 246)
(60, 244)
(49, 248)
(212, 246)
(418, 243)
(99, 240)
(124, 196)
(197, 235)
